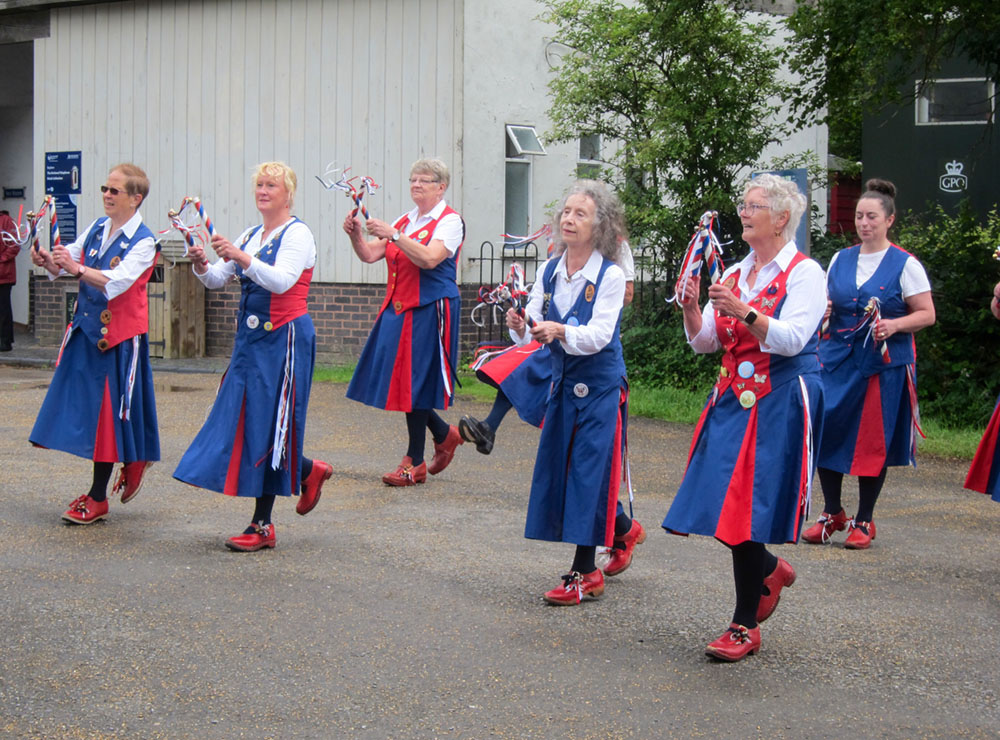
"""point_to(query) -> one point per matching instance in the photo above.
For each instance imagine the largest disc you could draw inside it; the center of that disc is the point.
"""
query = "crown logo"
(954, 167)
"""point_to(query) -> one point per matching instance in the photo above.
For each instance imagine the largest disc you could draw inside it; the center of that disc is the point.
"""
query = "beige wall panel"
(197, 93)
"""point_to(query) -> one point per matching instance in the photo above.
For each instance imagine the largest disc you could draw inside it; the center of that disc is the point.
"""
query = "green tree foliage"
(854, 56)
(684, 94)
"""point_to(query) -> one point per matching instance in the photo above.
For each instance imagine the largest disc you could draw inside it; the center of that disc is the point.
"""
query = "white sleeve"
(592, 337)
(800, 314)
(626, 261)
(914, 279)
(450, 231)
(297, 253)
(140, 258)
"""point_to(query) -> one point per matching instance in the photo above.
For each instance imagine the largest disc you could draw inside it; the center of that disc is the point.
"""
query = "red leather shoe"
(445, 451)
(736, 643)
(783, 575)
(406, 474)
(825, 526)
(256, 537)
(621, 559)
(575, 586)
(84, 510)
(860, 535)
(312, 487)
(129, 479)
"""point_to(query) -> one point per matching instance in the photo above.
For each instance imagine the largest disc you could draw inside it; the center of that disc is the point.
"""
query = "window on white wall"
(522, 145)
(522, 140)
(588, 163)
(954, 101)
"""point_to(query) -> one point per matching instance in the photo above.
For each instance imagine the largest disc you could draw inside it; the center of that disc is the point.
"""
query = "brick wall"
(343, 314)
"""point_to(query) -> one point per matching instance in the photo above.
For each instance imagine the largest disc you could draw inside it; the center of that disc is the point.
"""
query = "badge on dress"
(104, 330)
(772, 290)
(268, 326)
(748, 399)
(252, 321)
(580, 390)
(92, 253)
(115, 261)
(422, 235)
(588, 294)
(105, 316)
(572, 321)
(729, 282)
(102, 344)
(745, 369)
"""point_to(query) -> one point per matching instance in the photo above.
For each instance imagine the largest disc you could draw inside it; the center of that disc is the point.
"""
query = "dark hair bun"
(881, 186)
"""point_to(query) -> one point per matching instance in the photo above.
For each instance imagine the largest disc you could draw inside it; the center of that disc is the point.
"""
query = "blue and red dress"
(578, 468)
(409, 359)
(101, 404)
(750, 464)
(251, 443)
(871, 401)
(984, 472)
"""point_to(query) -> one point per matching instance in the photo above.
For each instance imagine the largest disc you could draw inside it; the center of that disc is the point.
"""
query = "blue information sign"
(62, 182)
(800, 177)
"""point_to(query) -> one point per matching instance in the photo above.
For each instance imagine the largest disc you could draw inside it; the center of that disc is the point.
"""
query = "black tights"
(417, 424)
(99, 484)
(751, 564)
(869, 488)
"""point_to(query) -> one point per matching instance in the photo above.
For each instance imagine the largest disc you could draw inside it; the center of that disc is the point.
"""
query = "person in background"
(749, 471)
(101, 405)
(984, 472)
(9, 249)
(408, 362)
(870, 382)
(252, 441)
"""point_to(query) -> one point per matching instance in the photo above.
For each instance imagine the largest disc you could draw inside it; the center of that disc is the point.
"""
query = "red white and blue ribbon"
(703, 249)
(125, 408)
(345, 184)
(870, 318)
(510, 240)
(194, 233)
(33, 219)
(279, 445)
(512, 289)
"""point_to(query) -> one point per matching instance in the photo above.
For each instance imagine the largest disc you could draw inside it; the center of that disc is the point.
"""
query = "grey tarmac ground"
(417, 613)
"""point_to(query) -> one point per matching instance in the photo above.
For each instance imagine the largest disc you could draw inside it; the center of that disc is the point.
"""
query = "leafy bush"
(656, 350)
(957, 383)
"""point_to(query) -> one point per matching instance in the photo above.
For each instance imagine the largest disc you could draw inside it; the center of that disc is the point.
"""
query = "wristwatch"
(750, 317)
(83, 269)
(398, 235)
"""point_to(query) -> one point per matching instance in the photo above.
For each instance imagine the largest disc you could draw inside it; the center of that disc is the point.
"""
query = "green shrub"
(955, 357)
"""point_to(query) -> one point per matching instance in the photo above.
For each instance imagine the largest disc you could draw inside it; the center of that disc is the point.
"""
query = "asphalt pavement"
(417, 612)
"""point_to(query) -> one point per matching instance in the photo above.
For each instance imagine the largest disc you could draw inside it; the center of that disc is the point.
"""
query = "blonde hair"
(281, 171)
(136, 181)
(432, 166)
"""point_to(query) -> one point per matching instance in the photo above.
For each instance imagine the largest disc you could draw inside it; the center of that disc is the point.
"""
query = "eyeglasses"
(751, 207)
(422, 181)
(113, 191)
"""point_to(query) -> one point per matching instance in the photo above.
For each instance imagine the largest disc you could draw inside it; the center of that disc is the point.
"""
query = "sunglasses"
(113, 191)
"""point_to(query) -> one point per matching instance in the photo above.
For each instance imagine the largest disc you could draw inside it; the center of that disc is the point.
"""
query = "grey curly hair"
(609, 217)
(782, 195)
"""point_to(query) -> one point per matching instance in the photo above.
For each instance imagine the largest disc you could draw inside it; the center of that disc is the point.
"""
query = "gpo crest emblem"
(953, 181)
